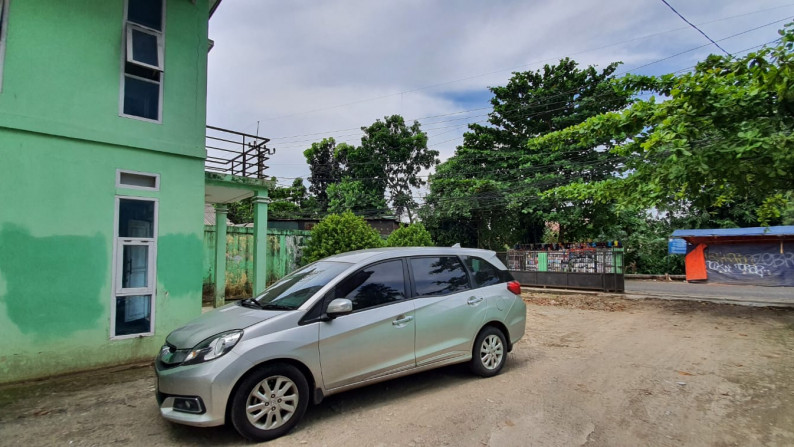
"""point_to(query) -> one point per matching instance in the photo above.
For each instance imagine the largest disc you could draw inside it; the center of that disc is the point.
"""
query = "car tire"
(489, 353)
(269, 402)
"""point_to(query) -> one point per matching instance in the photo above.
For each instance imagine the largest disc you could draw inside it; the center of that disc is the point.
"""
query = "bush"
(414, 235)
(338, 233)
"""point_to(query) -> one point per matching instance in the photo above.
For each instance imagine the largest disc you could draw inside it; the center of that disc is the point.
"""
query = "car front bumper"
(210, 382)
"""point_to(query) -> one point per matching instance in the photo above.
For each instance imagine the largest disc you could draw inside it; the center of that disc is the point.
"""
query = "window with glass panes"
(144, 43)
(136, 245)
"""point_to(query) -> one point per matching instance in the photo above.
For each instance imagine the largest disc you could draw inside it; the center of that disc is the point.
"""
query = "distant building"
(759, 256)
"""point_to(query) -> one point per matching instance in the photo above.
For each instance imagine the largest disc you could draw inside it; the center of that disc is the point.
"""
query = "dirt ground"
(592, 370)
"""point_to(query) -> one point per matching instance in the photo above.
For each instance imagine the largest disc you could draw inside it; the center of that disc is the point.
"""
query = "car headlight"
(213, 347)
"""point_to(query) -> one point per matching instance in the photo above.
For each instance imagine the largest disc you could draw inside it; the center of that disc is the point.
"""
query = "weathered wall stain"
(72, 271)
(284, 251)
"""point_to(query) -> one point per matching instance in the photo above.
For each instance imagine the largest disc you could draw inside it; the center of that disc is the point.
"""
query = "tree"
(349, 195)
(389, 159)
(719, 149)
(413, 235)
(494, 181)
(290, 202)
(326, 163)
(338, 233)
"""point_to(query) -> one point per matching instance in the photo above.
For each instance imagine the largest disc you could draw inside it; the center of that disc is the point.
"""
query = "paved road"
(717, 292)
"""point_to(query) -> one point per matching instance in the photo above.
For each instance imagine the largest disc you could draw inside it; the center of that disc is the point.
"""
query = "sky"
(299, 71)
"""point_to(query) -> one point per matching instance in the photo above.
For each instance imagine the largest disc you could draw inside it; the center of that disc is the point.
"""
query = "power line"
(417, 89)
(295, 143)
(695, 27)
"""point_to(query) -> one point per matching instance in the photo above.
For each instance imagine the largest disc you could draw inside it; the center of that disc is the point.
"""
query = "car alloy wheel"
(272, 403)
(269, 401)
(491, 352)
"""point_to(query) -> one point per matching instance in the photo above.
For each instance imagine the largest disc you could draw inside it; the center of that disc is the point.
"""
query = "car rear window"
(440, 275)
(485, 274)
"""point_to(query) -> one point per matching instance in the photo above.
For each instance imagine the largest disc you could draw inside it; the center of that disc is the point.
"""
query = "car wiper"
(272, 306)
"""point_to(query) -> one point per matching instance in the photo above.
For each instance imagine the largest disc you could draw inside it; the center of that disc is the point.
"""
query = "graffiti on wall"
(755, 263)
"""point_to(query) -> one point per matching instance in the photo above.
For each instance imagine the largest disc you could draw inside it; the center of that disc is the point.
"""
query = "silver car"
(346, 321)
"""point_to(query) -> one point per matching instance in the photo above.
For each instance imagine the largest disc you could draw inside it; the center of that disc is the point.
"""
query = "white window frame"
(122, 242)
(119, 172)
(157, 34)
(125, 45)
(3, 35)
(118, 265)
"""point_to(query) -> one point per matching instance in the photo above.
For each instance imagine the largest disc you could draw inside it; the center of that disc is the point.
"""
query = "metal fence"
(579, 268)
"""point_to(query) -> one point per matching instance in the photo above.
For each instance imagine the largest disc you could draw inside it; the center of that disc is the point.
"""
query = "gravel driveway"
(593, 370)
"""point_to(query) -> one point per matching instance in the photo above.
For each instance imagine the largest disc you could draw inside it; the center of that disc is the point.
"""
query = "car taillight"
(515, 287)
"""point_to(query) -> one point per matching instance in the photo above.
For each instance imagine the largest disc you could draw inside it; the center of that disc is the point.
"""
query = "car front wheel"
(489, 352)
(269, 402)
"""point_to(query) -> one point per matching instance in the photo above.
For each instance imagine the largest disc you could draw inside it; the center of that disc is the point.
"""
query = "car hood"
(227, 318)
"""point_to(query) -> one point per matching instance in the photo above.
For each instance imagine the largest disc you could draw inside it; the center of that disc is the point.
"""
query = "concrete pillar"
(220, 255)
(261, 200)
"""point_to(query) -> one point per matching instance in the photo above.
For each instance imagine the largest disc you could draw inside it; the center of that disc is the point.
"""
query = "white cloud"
(302, 67)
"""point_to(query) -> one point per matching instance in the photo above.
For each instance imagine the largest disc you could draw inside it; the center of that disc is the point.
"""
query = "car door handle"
(474, 300)
(402, 320)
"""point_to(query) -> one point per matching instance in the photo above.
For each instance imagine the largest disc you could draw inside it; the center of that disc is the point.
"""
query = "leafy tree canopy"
(389, 160)
(719, 148)
(492, 186)
(326, 164)
(350, 195)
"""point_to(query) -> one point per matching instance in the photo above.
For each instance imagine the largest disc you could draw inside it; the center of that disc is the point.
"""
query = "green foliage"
(290, 202)
(389, 160)
(719, 149)
(413, 235)
(489, 194)
(360, 178)
(338, 233)
(326, 164)
(349, 195)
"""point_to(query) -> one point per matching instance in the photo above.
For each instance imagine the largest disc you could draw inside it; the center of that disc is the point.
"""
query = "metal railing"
(236, 153)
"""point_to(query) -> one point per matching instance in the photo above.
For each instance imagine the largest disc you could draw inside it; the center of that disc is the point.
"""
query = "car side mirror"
(339, 307)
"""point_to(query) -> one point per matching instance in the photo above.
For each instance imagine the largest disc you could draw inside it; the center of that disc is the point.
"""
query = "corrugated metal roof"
(787, 230)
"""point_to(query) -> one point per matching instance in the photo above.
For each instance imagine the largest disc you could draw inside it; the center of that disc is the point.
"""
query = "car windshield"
(291, 291)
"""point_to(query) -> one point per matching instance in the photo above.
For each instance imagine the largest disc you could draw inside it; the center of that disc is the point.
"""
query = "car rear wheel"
(489, 352)
(269, 402)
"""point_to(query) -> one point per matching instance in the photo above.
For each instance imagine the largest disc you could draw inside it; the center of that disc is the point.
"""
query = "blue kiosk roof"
(787, 230)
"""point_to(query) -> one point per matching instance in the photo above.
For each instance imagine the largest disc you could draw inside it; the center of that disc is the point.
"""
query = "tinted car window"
(374, 285)
(484, 272)
(297, 287)
(438, 275)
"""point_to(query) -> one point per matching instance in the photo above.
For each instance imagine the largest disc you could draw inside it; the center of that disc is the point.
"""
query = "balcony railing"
(236, 153)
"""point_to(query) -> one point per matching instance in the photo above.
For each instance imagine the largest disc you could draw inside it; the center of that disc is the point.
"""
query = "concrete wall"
(284, 249)
(61, 142)
(62, 74)
(57, 202)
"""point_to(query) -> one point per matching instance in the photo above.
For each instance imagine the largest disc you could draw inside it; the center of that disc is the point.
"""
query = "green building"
(102, 179)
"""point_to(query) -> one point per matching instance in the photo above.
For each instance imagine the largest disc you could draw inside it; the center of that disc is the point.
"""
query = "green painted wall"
(284, 248)
(62, 74)
(61, 142)
(56, 245)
